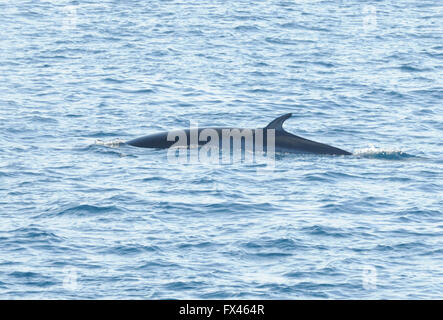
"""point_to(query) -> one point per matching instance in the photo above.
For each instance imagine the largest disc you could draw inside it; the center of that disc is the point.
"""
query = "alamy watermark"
(69, 17)
(369, 18)
(222, 146)
(70, 278)
(369, 278)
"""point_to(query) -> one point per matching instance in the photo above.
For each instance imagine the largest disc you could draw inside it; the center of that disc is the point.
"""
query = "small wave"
(380, 153)
(410, 68)
(246, 28)
(101, 134)
(24, 274)
(158, 264)
(131, 249)
(43, 119)
(282, 41)
(31, 234)
(282, 244)
(271, 255)
(88, 210)
(112, 80)
(200, 245)
(138, 91)
(326, 231)
(293, 25)
(181, 285)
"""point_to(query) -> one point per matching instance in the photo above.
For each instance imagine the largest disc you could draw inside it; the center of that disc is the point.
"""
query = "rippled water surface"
(85, 216)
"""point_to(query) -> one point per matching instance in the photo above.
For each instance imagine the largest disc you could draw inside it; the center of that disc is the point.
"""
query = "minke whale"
(259, 139)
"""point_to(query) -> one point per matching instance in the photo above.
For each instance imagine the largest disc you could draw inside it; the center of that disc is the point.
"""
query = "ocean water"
(84, 216)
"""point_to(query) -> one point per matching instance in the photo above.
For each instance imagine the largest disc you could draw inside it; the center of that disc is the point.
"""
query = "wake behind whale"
(270, 138)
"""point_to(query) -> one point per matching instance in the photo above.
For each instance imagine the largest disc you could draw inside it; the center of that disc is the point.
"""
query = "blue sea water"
(83, 215)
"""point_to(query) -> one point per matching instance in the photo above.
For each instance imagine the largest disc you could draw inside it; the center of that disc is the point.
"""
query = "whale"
(283, 141)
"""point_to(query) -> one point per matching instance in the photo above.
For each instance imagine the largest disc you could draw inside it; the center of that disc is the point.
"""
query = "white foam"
(112, 144)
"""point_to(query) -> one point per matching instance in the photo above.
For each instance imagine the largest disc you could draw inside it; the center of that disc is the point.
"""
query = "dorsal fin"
(277, 124)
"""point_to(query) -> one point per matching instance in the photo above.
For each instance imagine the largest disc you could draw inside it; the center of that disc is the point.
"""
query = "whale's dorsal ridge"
(283, 140)
(277, 123)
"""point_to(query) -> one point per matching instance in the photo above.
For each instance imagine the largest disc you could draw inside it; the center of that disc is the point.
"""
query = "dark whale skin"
(284, 141)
